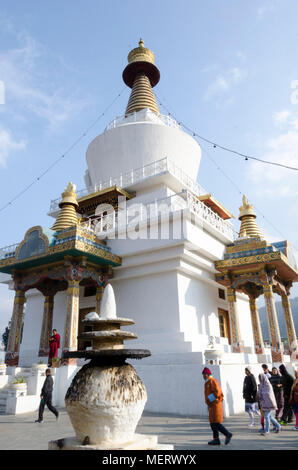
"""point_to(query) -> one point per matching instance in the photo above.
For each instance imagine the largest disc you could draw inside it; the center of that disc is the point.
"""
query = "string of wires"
(215, 145)
(70, 148)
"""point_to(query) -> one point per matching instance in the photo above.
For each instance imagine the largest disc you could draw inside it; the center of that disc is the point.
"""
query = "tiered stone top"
(106, 334)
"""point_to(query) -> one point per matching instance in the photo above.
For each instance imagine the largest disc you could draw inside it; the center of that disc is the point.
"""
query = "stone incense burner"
(106, 398)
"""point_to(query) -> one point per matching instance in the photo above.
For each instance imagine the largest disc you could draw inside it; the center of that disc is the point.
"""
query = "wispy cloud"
(24, 73)
(264, 9)
(281, 117)
(280, 149)
(8, 145)
(224, 82)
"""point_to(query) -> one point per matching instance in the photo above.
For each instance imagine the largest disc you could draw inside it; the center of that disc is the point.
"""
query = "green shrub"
(19, 380)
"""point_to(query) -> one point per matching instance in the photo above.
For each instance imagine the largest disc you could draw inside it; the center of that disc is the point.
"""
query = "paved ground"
(185, 433)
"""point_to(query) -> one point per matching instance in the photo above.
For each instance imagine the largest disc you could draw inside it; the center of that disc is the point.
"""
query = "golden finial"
(244, 200)
(249, 227)
(67, 216)
(141, 74)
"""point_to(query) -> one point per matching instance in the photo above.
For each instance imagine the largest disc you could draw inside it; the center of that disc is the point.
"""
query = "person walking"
(266, 371)
(287, 382)
(54, 345)
(250, 395)
(46, 397)
(294, 399)
(268, 403)
(213, 399)
(276, 382)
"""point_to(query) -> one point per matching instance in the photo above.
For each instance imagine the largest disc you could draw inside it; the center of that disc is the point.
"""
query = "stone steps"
(3, 398)
(21, 372)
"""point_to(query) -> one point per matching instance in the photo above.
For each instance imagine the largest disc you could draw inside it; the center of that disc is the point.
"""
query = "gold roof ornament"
(67, 216)
(141, 74)
(141, 54)
(249, 227)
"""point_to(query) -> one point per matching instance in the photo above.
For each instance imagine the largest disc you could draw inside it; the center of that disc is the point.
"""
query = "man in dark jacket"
(46, 397)
(276, 382)
(287, 382)
(250, 395)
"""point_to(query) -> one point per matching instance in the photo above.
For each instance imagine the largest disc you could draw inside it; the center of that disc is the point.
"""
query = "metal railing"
(8, 251)
(103, 225)
(136, 117)
(138, 175)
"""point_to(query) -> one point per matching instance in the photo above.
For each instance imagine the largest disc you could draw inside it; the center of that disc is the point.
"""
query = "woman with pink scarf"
(268, 403)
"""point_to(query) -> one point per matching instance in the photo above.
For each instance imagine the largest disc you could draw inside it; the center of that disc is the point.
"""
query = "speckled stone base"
(140, 442)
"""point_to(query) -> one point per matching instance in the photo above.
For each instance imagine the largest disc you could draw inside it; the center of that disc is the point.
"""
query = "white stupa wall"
(136, 144)
(148, 195)
(198, 307)
(146, 299)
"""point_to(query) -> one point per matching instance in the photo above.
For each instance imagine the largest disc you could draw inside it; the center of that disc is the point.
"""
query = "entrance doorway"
(224, 324)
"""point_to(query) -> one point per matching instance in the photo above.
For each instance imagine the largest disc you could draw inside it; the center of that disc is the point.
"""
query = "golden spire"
(249, 227)
(141, 74)
(67, 216)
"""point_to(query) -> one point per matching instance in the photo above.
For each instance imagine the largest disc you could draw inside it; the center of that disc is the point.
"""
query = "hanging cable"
(223, 172)
(74, 144)
(226, 149)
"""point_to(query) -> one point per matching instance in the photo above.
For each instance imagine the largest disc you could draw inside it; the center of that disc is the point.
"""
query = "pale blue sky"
(226, 71)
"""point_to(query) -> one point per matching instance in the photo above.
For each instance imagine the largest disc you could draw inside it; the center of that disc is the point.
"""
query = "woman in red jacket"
(213, 399)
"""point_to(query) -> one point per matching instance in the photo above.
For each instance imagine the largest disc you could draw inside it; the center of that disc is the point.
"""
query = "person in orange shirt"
(213, 399)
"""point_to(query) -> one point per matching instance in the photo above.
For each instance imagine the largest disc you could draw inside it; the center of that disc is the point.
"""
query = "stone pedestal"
(213, 356)
(139, 442)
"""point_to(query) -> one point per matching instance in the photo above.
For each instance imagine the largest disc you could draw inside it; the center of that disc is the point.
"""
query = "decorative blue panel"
(34, 246)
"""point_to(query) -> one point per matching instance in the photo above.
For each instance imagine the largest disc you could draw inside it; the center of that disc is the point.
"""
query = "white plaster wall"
(131, 146)
(212, 245)
(148, 195)
(174, 388)
(245, 324)
(152, 301)
(198, 307)
(29, 346)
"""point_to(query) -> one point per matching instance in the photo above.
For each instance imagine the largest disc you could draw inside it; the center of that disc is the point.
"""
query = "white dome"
(139, 140)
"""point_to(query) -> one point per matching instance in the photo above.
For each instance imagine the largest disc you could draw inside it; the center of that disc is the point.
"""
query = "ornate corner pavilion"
(255, 267)
(51, 260)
